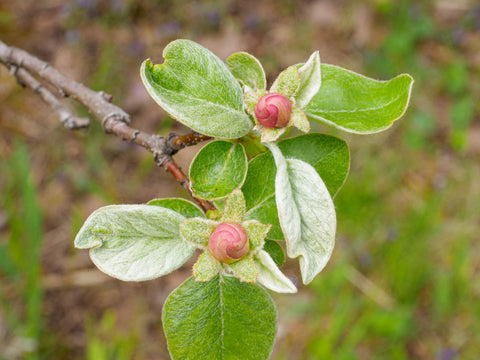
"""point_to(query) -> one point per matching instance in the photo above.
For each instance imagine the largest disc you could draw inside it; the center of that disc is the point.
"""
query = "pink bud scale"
(228, 243)
(273, 110)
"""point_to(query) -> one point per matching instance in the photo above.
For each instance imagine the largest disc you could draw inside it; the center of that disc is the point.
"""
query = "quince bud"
(228, 243)
(273, 110)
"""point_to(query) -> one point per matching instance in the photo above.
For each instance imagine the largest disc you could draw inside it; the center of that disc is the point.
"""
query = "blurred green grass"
(402, 282)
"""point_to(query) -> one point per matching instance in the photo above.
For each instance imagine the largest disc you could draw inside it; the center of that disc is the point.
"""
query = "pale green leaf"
(134, 242)
(251, 100)
(206, 267)
(275, 251)
(244, 269)
(270, 276)
(256, 232)
(195, 87)
(259, 191)
(299, 120)
(220, 319)
(217, 169)
(270, 135)
(306, 213)
(310, 80)
(329, 155)
(234, 210)
(287, 82)
(181, 206)
(197, 231)
(247, 69)
(358, 104)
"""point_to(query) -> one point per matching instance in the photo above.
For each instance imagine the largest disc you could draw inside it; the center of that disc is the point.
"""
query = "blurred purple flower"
(252, 21)
(448, 354)
(213, 17)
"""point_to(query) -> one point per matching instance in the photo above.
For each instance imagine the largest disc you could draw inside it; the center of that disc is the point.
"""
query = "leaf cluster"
(280, 191)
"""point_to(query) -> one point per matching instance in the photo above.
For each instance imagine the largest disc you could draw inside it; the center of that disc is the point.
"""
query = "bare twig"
(68, 120)
(113, 119)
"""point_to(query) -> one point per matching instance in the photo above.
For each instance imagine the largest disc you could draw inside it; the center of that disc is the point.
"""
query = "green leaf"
(256, 232)
(299, 120)
(306, 213)
(206, 267)
(287, 82)
(218, 169)
(244, 269)
(181, 206)
(310, 80)
(259, 192)
(327, 154)
(220, 319)
(234, 210)
(195, 87)
(197, 231)
(275, 251)
(270, 135)
(247, 69)
(270, 276)
(134, 242)
(358, 104)
(251, 100)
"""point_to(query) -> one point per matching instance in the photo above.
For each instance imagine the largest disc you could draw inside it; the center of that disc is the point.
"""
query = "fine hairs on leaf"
(255, 206)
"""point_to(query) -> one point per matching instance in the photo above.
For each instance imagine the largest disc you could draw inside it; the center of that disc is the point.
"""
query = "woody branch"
(114, 120)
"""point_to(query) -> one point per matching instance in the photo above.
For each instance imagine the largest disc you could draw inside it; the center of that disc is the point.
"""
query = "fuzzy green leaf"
(134, 242)
(234, 210)
(197, 231)
(251, 100)
(181, 206)
(358, 104)
(310, 80)
(220, 319)
(299, 120)
(270, 276)
(306, 213)
(195, 87)
(259, 192)
(206, 267)
(218, 169)
(327, 154)
(275, 251)
(247, 69)
(287, 82)
(244, 269)
(256, 232)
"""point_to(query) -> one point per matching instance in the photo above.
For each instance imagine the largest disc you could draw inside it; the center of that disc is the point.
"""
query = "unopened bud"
(228, 243)
(273, 110)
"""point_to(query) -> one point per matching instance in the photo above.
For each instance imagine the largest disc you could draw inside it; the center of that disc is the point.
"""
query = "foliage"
(285, 193)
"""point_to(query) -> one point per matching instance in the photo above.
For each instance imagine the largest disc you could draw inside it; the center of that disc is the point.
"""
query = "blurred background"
(403, 280)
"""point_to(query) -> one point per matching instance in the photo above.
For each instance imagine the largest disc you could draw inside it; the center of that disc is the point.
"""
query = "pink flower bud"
(228, 243)
(273, 110)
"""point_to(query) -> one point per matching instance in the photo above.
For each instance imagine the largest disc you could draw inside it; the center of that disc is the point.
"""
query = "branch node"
(44, 67)
(14, 72)
(62, 93)
(107, 97)
(134, 135)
